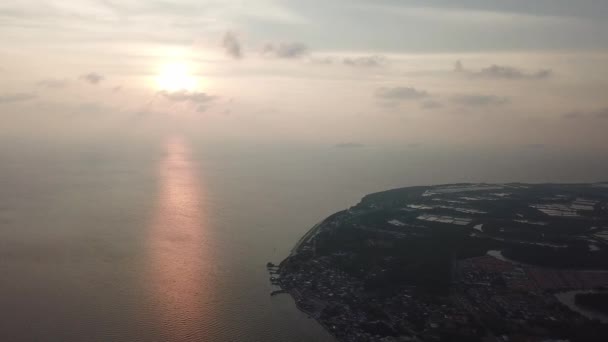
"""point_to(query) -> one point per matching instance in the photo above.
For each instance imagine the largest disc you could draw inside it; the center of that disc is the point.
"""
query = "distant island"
(458, 262)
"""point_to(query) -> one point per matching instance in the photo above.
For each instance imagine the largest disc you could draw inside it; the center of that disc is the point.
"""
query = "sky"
(348, 72)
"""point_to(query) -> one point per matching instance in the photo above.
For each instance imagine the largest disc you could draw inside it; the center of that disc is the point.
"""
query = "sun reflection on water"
(178, 251)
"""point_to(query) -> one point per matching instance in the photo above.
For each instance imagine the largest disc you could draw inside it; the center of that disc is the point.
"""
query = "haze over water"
(168, 241)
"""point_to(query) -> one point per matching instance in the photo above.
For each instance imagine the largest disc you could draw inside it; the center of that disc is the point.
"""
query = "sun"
(176, 77)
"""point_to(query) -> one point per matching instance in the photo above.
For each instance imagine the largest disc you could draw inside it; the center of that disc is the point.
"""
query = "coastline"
(298, 299)
(311, 315)
(310, 234)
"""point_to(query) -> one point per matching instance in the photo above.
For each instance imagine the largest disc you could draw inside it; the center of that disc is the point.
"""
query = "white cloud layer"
(309, 70)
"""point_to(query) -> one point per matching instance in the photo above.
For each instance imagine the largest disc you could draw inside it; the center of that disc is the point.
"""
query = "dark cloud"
(17, 97)
(497, 71)
(401, 93)
(479, 100)
(373, 61)
(92, 77)
(285, 50)
(349, 145)
(503, 72)
(53, 83)
(232, 46)
(366, 62)
(187, 96)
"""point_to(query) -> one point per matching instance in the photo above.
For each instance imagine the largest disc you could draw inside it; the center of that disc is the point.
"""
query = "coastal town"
(472, 262)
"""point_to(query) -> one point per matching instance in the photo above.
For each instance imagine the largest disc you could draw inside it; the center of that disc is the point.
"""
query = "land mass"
(593, 301)
(459, 262)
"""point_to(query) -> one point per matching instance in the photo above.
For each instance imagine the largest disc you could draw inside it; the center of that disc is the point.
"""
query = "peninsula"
(459, 262)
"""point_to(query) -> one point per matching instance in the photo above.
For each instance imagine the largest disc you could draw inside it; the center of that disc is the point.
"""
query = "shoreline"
(298, 299)
(311, 232)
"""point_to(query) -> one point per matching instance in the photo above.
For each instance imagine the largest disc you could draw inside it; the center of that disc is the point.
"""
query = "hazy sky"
(520, 72)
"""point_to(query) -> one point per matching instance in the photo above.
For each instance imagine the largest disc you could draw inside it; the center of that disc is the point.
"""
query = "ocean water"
(168, 240)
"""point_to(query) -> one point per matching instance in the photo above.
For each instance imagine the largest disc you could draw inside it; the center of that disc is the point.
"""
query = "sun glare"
(175, 77)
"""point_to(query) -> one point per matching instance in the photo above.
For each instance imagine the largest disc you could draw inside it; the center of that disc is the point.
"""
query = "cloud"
(479, 100)
(232, 46)
(92, 77)
(366, 61)
(374, 61)
(17, 97)
(504, 72)
(401, 93)
(53, 83)
(187, 96)
(285, 50)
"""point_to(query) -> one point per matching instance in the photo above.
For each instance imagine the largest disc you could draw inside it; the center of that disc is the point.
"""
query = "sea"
(167, 239)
